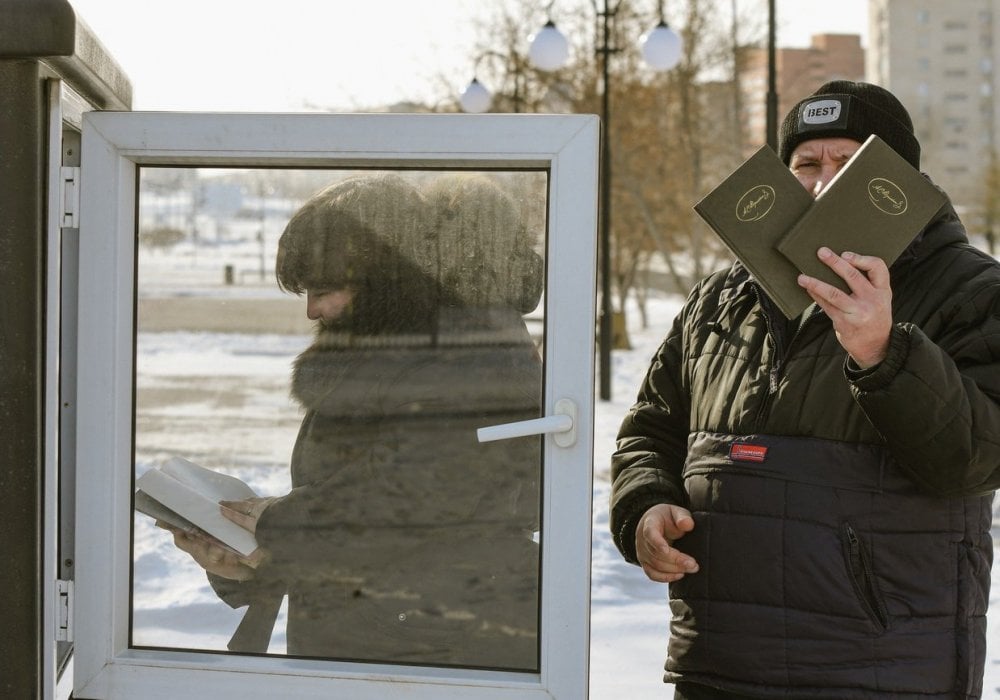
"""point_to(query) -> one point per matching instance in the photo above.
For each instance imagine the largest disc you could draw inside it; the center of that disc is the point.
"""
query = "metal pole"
(604, 49)
(772, 92)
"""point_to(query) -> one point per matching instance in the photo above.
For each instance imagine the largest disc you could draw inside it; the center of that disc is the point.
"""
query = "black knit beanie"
(852, 110)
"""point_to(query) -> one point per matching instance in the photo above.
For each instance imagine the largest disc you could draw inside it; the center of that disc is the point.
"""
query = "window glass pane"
(334, 339)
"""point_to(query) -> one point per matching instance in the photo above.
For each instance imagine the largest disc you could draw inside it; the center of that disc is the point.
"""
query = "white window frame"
(65, 109)
(114, 145)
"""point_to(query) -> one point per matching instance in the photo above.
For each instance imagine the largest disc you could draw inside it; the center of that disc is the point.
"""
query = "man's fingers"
(654, 537)
(662, 576)
(859, 271)
(874, 268)
(855, 278)
(683, 522)
(824, 294)
(666, 565)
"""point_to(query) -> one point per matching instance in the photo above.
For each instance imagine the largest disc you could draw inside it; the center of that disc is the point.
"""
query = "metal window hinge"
(64, 611)
(69, 197)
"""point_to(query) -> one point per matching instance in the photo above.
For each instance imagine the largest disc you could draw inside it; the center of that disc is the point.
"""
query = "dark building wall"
(22, 285)
(40, 40)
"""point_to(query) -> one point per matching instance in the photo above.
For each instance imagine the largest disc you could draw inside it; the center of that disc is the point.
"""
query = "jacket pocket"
(859, 570)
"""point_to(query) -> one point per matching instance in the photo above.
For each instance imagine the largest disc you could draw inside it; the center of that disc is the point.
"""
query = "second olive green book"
(875, 205)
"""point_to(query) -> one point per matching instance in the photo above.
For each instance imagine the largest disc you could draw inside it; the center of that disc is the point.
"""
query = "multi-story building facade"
(798, 71)
(941, 59)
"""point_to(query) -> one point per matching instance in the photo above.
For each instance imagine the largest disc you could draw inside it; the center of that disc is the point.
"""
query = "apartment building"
(798, 71)
(940, 59)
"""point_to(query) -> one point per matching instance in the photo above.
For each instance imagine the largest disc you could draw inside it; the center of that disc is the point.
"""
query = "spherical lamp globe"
(661, 47)
(548, 48)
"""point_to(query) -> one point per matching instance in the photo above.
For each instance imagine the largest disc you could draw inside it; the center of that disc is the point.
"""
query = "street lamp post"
(772, 91)
(605, 320)
(661, 49)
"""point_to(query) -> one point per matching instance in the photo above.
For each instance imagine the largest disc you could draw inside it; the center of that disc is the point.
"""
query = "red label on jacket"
(742, 452)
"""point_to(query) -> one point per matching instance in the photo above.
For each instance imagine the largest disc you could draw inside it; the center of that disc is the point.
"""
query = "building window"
(923, 16)
(955, 125)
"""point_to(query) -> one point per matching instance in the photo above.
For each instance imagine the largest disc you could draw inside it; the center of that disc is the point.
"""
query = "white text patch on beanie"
(824, 114)
(821, 112)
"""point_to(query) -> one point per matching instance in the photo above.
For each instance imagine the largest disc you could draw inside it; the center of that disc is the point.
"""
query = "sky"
(295, 55)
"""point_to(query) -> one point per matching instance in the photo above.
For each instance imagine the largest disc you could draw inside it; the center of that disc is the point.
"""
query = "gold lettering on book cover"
(887, 196)
(755, 204)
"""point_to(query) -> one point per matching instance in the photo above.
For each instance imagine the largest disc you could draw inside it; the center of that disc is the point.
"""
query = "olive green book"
(751, 210)
(875, 205)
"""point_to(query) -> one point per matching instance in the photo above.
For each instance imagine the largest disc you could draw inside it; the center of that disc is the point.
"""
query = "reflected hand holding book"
(186, 496)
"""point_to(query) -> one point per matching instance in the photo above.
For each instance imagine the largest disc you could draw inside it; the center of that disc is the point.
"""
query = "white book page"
(200, 505)
(220, 487)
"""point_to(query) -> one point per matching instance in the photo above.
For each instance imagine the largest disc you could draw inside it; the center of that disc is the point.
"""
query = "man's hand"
(862, 319)
(657, 530)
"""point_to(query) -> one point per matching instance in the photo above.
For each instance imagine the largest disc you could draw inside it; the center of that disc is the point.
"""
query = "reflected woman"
(403, 539)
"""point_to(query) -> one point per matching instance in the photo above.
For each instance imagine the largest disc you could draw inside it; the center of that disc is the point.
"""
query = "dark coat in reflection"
(404, 538)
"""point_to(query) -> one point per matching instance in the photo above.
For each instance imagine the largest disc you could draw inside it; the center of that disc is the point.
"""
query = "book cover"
(187, 496)
(751, 210)
(875, 205)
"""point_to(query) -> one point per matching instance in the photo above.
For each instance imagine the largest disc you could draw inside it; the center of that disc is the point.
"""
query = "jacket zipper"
(773, 372)
(781, 353)
(863, 578)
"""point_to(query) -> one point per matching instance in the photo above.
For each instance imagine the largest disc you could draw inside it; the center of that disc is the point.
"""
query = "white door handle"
(562, 423)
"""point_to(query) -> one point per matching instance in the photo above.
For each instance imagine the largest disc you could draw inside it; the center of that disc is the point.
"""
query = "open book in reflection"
(187, 495)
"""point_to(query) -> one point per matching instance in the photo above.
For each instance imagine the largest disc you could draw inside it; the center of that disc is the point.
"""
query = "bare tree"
(673, 136)
(675, 142)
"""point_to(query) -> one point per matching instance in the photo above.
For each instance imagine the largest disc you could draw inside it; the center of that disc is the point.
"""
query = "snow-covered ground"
(629, 616)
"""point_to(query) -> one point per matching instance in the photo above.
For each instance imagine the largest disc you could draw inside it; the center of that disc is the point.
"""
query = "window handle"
(562, 425)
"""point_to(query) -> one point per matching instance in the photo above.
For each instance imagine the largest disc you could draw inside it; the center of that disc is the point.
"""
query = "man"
(818, 492)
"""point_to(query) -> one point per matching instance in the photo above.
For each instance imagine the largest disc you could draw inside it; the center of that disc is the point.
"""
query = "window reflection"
(406, 314)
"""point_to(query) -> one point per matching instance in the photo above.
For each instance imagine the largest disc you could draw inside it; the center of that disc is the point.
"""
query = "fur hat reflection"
(852, 110)
(485, 250)
(350, 231)
(369, 234)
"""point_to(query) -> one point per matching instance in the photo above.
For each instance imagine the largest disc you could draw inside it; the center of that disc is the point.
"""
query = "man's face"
(815, 162)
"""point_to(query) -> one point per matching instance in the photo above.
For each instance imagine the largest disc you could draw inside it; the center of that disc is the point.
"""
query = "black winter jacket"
(842, 517)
